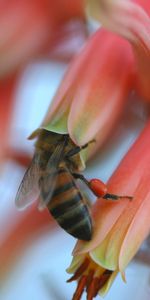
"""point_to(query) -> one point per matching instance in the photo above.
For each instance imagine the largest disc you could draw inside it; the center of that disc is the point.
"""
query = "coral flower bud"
(93, 92)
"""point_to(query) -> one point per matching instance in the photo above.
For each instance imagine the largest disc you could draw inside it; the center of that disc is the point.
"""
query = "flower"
(93, 92)
(7, 94)
(28, 29)
(130, 20)
(7, 88)
(21, 231)
(120, 227)
(31, 29)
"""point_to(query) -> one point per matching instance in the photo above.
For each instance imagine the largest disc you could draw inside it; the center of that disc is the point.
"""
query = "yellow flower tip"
(91, 277)
(105, 289)
(123, 276)
(57, 123)
(76, 262)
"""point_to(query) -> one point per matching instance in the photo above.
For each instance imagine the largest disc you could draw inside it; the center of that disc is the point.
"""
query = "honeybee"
(51, 178)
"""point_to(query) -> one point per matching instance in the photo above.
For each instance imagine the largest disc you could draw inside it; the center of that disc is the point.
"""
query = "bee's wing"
(28, 191)
(49, 179)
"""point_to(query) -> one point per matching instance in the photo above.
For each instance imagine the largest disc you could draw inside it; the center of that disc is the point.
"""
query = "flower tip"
(123, 276)
(79, 248)
(34, 134)
(76, 138)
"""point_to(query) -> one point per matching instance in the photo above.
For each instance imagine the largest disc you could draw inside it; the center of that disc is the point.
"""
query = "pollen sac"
(98, 187)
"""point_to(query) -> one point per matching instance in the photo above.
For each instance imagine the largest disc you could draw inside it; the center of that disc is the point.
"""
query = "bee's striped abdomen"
(69, 208)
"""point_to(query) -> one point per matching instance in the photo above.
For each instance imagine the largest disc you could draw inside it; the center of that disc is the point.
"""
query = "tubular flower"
(130, 20)
(120, 227)
(28, 28)
(93, 91)
(23, 229)
(24, 31)
(7, 88)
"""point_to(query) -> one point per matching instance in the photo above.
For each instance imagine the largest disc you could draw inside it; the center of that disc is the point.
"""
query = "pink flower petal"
(103, 84)
(129, 20)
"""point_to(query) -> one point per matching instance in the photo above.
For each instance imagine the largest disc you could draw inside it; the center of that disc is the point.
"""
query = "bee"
(52, 179)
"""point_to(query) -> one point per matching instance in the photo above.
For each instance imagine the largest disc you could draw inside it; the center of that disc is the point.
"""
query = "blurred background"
(38, 39)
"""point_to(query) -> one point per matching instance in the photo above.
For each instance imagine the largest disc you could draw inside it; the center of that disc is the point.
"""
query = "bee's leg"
(81, 177)
(99, 188)
(77, 149)
(115, 197)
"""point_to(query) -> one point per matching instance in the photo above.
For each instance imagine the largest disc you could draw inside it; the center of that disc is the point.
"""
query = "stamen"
(80, 288)
(103, 279)
(96, 286)
(80, 270)
(89, 279)
(91, 290)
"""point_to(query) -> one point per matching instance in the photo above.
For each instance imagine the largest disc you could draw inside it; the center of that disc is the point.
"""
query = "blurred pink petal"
(68, 40)
(28, 227)
(7, 88)
(28, 27)
(131, 21)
